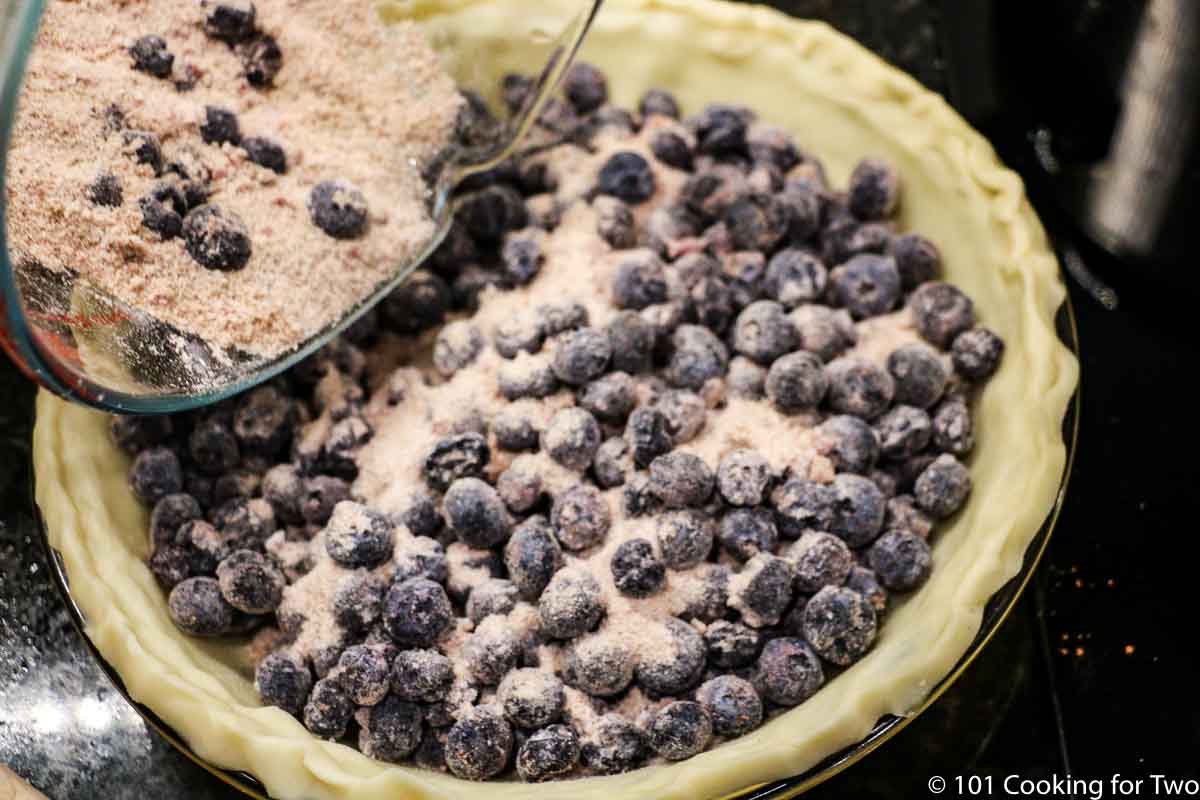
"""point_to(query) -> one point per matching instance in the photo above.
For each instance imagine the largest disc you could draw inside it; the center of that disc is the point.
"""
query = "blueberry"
(266, 153)
(105, 191)
(917, 260)
(526, 376)
(976, 353)
(918, 373)
(839, 624)
(615, 222)
(363, 670)
(795, 277)
(582, 356)
(571, 604)
(680, 730)
(521, 258)
(520, 487)
(941, 312)
(220, 126)
(711, 301)
(250, 582)
(672, 148)
(213, 447)
(420, 557)
(612, 462)
(658, 101)
(358, 536)
(585, 87)
(462, 456)
(416, 305)
(668, 225)
(283, 680)
(491, 212)
(599, 665)
(721, 130)
(422, 675)
(746, 532)
(548, 753)
(757, 222)
(745, 379)
(263, 421)
(490, 652)
(865, 582)
(321, 494)
(684, 411)
(197, 607)
(556, 318)
(859, 387)
(476, 513)
(801, 505)
(742, 477)
(788, 671)
(144, 148)
(639, 281)
(216, 238)
(518, 333)
(329, 709)
(163, 209)
(943, 487)
(531, 698)
(261, 59)
(797, 381)
(681, 479)
(901, 560)
(822, 331)
(338, 208)
(732, 704)
(356, 601)
(231, 21)
(763, 332)
(821, 559)
(135, 434)
(867, 285)
(857, 510)
(154, 474)
(150, 55)
(708, 602)
(874, 191)
(901, 513)
(731, 645)
(953, 430)
(391, 730)
(571, 438)
(420, 515)
(515, 90)
(638, 497)
(614, 745)
(637, 571)
(609, 398)
(532, 556)
(417, 612)
(845, 238)
(628, 177)
(675, 668)
(804, 205)
(854, 445)
(431, 752)
(763, 590)
(169, 514)
(903, 432)
(698, 356)
(580, 517)
(493, 596)
(647, 435)
(170, 565)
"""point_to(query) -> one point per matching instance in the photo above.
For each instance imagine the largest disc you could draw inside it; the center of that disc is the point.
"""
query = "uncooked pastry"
(842, 103)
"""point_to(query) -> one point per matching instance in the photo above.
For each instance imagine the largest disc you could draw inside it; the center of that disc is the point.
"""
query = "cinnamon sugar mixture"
(352, 101)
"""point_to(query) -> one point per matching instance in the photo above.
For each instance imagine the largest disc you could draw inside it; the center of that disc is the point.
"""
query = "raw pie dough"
(842, 103)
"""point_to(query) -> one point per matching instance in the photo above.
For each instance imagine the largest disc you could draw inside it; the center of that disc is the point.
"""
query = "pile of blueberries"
(215, 237)
(726, 287)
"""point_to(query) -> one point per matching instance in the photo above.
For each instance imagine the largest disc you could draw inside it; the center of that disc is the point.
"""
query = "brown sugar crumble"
(172, 153)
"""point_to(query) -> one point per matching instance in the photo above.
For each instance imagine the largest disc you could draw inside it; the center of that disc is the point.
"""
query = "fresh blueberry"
(598, 665)
(531, 698)
(220, 126)
(250, 582)
(684, 411)
(976, 353)
(804, 205)
(329, 709)
(518, 333)
(672, 148)
(764, 332)
(639, 281)
(943, 487)
(647, 435)
(422, 675)
(903, 432)
(614, 745)
(417, 612)
(490, 652)
(391, 730)
(865, 582)
(746, 379)
(801, 505)
(609, 398)
(821, 560)
(197, 607)
(144, 148)
(283, 680)
(420, 557)
(794, 277)
(757, 222)
(658, 101)
(150, 55)
(261, 60)
(628, 177)
(788, 671)
(521, 258)
(823, 331)
(797, 381)
(356, 601)
(854, 445)
(742, 477)
(917, 260)
(231, 21)
(461, 456)
(612, 462)
(746, 532)
(266, 153)
(476, 513)
(615, 222)
(874, 191)
(571, 604)
(572, 438)
(636, 570)
(556, 318)
(840, 625)
(709, 602)
(322, 493)
(845, 238)
(902, 514)
(520, 487)
(638, 498)
(672, 670)
(358, 536)
(698, 356)
(169, 515)
(918, 373)
(941, 312)
(582, 356)
(515, 90)
(680, 730)
(681, 479)
(532, 556)
(339, 209)
(732, 704)
(491, 212)
(668, 225)
(213, 447)
(154, 474)
(216, 238)
(527, 376)
(763, 590)
(263, 421)
(953, 430)
(901, 560)
(417, 304)
(364, 672)
(858, 509)
(163, 210)
(548, 753)
(721, 130)
(731, 645)
(867, 285)
(170, 565)
(859, 387)
(580, 517)
(134, 434)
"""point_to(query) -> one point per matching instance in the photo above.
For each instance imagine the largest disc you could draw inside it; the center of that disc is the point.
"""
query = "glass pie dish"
(842, 103)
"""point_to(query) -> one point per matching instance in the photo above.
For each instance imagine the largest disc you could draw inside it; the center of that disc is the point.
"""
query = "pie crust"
(842, 103)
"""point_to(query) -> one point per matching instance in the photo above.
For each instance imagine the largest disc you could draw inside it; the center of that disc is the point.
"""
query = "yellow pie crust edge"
(842, 103)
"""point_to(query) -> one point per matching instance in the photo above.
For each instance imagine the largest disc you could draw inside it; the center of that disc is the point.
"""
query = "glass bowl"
(81, 343)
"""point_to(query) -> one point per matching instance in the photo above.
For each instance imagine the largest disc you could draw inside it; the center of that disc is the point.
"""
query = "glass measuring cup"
(80, 342)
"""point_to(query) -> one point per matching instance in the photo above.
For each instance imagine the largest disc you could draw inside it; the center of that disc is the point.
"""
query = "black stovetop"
(1093, 674)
